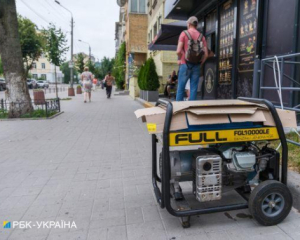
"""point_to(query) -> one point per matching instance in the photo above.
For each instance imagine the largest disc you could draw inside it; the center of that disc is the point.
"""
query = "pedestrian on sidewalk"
(86, 78)
(109, 82)
(192, 52)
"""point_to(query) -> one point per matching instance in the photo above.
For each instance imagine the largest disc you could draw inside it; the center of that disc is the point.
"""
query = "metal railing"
(282, 81)
(280, 77)
(46, 108)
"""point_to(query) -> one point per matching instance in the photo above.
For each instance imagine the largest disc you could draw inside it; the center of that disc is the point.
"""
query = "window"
(43, 65)
(138, 6)
(155, 30)
(35, 76)
(142, 6)
(34, 66)
(159, 23)
(44, 76)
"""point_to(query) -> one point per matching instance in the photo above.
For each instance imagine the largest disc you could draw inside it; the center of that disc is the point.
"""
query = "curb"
(144, 103)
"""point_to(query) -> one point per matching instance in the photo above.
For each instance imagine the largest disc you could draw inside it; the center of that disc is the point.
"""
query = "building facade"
(86, 57)
(166, 61)
(120, 26)
(43, 69)
(135, 35)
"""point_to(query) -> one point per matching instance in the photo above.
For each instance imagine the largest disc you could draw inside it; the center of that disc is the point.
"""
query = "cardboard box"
(212, 112)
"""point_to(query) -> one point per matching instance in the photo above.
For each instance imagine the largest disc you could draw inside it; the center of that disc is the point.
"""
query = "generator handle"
(164, 102)
(280, 130)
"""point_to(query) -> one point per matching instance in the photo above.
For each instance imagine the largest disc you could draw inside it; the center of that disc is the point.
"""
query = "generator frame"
(163, 196)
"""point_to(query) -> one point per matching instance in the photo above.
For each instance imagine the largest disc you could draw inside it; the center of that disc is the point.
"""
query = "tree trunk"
(56, 89)
(11, 55)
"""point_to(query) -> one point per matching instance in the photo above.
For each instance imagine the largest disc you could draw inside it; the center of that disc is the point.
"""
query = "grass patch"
(3, 114)
(36, 114)
(294, 151)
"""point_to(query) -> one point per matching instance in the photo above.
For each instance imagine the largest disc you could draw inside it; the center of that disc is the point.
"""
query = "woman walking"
(86, 78)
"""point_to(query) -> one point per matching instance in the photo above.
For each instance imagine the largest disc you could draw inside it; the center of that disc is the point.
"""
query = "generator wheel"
(270, 202)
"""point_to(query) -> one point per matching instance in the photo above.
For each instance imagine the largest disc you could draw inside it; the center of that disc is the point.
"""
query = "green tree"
(66, 71)
(106, 65)
(80, 63)
(119, 66)
(13, 66)
(151, 79)
(55, 47)
(91, 66)
(141, 77)
(32, 43)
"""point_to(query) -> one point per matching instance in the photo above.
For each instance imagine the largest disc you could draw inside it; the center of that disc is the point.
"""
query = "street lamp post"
(90, 50)
(71, 91)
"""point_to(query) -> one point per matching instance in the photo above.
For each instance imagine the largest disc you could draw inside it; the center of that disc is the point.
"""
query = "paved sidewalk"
(92, 165)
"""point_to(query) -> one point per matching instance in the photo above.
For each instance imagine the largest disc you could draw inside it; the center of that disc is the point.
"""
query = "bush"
(119, 69)
(141, 77)
(150, 78)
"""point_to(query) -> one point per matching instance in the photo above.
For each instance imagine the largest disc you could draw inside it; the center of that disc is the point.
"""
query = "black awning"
(183, 9)
(167, 38)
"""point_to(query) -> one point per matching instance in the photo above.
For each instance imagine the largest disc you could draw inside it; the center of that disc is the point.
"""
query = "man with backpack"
(108, 83)
(192, 52)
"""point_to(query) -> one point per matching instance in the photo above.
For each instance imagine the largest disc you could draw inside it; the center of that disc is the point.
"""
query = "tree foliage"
(106, 65)
(141, 77)
(80, 63)
(119, 69)
(66, 71)
(91, 66)
(32, 42)
(148, 78)
(55, 45)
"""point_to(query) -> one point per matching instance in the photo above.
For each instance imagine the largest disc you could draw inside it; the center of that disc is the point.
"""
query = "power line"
(40, 16)
(56, 11)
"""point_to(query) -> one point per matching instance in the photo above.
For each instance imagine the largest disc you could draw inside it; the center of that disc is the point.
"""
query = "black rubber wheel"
(270, 203)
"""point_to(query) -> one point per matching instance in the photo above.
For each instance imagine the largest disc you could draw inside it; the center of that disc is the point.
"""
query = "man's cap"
(193, 21)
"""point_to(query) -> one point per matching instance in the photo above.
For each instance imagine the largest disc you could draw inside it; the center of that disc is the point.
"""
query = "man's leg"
(195, 77)
(90, 96)
(182, 80)
(110, 89)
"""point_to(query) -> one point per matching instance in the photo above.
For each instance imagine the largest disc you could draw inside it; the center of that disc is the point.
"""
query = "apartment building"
(135, 34)
(166, 61)
(43, 69)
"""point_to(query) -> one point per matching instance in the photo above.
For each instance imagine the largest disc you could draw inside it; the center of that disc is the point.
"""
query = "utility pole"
(71, 91)
(90, 53)
(72, 63)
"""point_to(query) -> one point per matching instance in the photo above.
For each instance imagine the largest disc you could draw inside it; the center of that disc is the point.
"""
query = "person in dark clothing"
(172, 83)
(109, 82)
